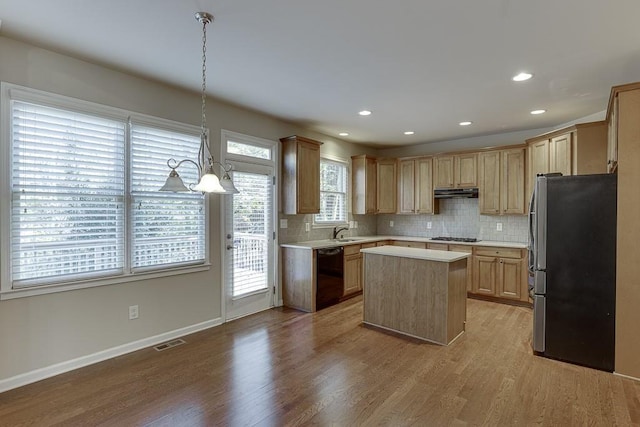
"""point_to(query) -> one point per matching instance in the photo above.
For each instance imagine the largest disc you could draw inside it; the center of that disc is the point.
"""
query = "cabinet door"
(406, 179)
(424, 186)
(352, 274)
(538, 162)
(371, 185)
(466, 170)
(386, 186)
(489, 182)
(308, 178)
(560, 154)
(363, 184)
(466, 249)
(443, 172)
(512, 198)
(485, 270)
(510, 278)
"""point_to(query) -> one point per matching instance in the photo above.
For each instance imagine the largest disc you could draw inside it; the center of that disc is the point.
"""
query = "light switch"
(284, 223)
(307, 227)
(355, 224)
(499, 226)
(429, 225)
(390, 223)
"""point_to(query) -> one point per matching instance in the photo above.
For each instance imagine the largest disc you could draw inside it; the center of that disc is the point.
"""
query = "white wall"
(37, 332)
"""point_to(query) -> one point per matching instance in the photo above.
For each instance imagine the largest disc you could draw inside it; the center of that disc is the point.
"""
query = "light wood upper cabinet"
(444, 172)
(456, 171)
(415, 186)
(466, 170)
(560, 154)
(300, 175)
(577, 150)
(512, 196)
(501, 182)
(489, 182)
(386, 186)
(364, 184)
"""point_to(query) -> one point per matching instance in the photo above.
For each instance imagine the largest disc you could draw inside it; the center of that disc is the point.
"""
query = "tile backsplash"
(457, 218)
(295, 231)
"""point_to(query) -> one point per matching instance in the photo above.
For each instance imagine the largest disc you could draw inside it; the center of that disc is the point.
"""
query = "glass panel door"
(249, 241)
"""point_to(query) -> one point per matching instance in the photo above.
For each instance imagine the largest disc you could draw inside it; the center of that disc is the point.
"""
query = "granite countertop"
(417, 253)
(356, 240)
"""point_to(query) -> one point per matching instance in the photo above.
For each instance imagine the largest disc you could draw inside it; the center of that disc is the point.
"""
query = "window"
(333, 193)
(84, 204)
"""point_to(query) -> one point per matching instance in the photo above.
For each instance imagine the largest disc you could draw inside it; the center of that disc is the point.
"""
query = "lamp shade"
(209, 183)
(174, 183)
(227, 184)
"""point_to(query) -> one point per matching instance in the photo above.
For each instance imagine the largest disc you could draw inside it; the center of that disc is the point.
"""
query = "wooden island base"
(416, 292)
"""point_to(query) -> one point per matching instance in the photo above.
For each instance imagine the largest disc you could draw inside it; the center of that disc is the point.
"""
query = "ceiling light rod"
(208, 180)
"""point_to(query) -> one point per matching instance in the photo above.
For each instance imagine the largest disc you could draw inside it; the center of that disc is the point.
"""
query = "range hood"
(456, 193)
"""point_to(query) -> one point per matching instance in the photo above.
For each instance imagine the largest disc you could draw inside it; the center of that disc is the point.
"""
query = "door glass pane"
(251, 233)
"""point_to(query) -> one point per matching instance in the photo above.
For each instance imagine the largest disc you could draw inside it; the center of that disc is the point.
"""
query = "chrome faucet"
(338, 229)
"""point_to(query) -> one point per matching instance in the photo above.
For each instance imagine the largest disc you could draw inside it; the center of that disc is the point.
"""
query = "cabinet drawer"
(351, 249)
(438, 246)
(499, 252)
(461, 248)
(409, 244)
(368, 245)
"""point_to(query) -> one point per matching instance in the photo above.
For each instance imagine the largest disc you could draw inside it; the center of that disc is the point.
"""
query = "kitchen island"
(416, 292)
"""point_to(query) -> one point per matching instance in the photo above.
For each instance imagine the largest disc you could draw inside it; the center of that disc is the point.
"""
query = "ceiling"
(417, 65)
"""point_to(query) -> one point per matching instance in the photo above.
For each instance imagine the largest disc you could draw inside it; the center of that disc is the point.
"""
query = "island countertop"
(417, 253)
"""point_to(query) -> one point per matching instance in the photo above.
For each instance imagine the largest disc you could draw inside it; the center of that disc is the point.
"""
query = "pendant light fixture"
(209, 181)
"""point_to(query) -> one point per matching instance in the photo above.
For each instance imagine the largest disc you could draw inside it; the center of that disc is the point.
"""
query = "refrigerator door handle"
(532, 241)
(539, 323)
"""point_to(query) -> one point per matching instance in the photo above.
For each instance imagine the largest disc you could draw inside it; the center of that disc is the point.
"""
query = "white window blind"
(67, 210)
(333, 193)
(251, 232)
(167, 228)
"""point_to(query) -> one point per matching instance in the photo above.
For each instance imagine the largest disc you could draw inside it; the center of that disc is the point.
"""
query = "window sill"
(85, 284)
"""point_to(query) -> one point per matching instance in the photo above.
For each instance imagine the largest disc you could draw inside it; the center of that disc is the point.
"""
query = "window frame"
(331, 224)
(10, 92)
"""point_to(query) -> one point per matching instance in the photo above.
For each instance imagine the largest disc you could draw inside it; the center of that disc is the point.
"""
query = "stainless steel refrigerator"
(572, 263)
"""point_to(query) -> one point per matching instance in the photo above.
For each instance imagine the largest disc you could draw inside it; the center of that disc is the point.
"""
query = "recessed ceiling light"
(465, 123)
(344, 134)
(522, 77)
(409, 132)
(364, 112)
(538, 111)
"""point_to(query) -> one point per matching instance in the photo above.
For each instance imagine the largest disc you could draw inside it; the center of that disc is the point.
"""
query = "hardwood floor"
(284, 367)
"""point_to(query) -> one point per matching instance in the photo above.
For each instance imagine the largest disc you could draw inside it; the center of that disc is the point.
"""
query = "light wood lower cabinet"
(500, 272)
(352, 274)
(468, 250)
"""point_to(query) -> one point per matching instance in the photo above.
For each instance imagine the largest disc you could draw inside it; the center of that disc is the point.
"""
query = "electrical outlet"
(284, 223)
(307, 227)
(498, 226)
(390, 223)
(355, 224)
(133, 312)
(429, 225)
(351, 224)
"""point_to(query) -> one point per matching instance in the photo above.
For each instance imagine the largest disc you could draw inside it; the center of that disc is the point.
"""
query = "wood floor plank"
(287, 368)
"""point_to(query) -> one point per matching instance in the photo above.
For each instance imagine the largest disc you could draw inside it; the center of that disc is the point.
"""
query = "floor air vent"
(166, 345)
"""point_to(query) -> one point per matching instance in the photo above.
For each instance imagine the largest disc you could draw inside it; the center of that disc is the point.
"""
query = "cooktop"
(456, 239)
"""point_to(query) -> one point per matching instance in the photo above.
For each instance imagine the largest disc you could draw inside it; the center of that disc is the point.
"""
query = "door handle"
(229, 247)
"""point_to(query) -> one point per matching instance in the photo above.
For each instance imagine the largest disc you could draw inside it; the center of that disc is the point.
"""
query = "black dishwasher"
(329, 276)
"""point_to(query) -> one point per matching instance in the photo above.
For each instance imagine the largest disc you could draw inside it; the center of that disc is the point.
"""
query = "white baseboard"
(626, 376)
(69, 365)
